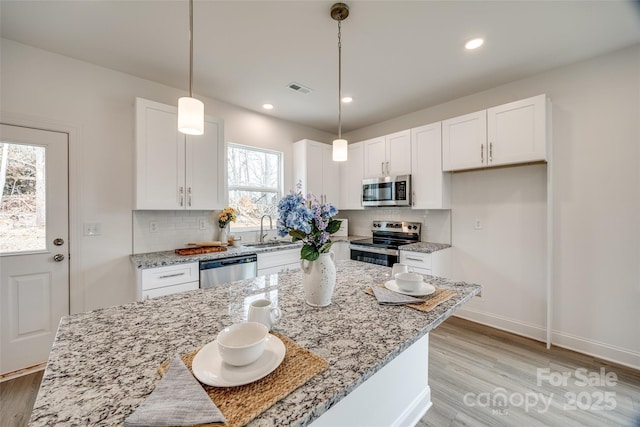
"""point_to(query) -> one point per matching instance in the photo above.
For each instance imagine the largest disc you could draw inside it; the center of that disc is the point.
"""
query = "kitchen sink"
(270, 244)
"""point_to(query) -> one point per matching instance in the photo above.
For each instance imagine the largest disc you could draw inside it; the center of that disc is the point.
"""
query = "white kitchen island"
(104, 363)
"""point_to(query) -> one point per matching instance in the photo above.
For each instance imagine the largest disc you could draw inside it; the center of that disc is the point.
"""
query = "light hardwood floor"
(471, 368)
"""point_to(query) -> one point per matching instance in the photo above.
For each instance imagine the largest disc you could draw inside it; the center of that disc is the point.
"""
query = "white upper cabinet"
(388, 155)
(464, 140)
(507, 134)
(175, 171)
(431, 186)
(351, 175)
(516, 132)
(398, 153)
(314, 167)
(205, 168)
(375, 157)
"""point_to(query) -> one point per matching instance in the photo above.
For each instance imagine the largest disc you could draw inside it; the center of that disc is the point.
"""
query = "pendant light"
(340, 12)
(190, 110)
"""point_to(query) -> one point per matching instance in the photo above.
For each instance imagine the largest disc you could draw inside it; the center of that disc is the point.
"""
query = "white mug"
(399, 268)
(263, 312)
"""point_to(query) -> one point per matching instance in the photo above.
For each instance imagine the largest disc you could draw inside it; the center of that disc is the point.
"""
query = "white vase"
(224, 234)
(319, 279)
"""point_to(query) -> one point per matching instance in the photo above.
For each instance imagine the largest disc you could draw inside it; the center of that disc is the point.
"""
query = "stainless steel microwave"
(387, 191)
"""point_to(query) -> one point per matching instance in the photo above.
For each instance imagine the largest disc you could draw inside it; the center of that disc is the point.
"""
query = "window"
(255, 183)
(22, 198)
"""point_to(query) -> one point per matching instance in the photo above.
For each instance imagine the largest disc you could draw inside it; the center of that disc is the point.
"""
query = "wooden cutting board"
(195, 250)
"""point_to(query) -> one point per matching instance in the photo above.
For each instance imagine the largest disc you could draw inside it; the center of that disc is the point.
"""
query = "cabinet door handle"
(382, 167)
(491, 152)
(481, 153)
(414, 259)
(171, 275)
(189, 196)
(181, 196)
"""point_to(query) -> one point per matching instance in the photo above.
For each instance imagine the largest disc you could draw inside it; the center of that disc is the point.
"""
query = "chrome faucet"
(262, 236)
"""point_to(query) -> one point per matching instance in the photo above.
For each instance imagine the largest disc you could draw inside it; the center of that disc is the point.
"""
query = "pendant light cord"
(339, 78)
(190, 48)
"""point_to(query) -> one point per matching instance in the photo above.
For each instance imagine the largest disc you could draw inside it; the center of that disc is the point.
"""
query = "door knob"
(58, 257)
(58, 242)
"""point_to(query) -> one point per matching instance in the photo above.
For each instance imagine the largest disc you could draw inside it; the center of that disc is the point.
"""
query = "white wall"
(596, 195)
(41, 87)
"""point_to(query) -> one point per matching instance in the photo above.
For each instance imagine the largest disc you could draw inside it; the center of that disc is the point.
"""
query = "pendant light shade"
(339, 12)
(190, 116)
(190, 110)
(340, 151)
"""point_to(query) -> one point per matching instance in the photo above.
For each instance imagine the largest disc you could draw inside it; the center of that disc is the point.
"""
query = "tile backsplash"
(155, 231)
(436, 224)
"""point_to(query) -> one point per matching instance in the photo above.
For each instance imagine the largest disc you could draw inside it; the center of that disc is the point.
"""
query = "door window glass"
(23, 202)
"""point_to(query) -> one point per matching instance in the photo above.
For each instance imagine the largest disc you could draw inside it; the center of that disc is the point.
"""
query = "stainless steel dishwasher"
(225, 270)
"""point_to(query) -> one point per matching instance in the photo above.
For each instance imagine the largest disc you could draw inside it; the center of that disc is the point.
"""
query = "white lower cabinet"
(160, 281)
(435, 263)
(278, 261)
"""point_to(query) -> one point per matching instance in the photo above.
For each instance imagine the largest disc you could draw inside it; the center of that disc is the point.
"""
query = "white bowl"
(242, 343)
(408, 281)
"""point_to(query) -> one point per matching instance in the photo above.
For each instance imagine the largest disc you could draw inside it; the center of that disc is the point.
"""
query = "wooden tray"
(195, 250)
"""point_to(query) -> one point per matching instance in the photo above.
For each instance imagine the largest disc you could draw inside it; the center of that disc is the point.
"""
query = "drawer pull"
(414, 259)
(172, 275)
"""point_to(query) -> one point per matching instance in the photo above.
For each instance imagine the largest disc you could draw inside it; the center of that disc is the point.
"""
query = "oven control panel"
(397, 226)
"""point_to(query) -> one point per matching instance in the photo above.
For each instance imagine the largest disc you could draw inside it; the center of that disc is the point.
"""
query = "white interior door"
(34, 242)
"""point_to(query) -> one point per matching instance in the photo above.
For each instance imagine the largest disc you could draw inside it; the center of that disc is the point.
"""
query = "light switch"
(92, 229)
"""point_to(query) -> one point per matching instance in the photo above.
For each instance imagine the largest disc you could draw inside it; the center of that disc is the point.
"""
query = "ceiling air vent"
(299, 88)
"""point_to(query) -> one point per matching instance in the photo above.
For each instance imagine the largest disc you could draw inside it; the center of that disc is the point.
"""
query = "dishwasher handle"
(224, 262)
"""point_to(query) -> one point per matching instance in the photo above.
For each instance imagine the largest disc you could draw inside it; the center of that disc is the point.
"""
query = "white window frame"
(278, 191)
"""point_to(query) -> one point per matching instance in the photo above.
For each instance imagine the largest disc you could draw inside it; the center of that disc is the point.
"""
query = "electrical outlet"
(153, 227)
(477, 224)
(202, 224)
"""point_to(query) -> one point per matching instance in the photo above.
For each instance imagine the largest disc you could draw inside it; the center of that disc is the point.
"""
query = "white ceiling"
(398, 56)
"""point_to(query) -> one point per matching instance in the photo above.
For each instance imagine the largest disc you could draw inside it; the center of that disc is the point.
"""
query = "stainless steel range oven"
(382, 248)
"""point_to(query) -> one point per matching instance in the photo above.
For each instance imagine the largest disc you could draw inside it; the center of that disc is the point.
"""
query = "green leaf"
(326, 247)
(297, 235)
(310, 253)
(334, 225)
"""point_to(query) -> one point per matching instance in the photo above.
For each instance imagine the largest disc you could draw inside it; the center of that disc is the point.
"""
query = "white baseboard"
(529, 330)
(21, 372)
(594, 348)
(622, 356)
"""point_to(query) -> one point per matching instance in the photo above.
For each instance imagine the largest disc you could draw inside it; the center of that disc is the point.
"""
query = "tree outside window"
(254, 182)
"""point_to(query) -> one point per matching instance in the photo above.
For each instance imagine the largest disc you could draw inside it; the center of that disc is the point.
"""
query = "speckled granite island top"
(105, 362)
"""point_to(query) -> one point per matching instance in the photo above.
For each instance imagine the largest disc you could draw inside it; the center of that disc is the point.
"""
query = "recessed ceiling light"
(267, 106)
(346, 99)
(474, 43)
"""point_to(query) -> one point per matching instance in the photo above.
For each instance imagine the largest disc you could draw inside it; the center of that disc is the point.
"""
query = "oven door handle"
(375, 250)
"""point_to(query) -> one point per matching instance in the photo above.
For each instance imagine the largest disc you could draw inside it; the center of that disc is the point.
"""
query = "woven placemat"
(241, 404)
(430, 301)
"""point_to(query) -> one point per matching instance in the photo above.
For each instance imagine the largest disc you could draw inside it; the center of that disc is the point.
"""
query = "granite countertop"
(424, 247)
(159, 259)
(104, 363)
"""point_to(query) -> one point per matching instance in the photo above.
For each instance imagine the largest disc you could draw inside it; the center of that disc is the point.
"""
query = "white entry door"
(34, 242)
